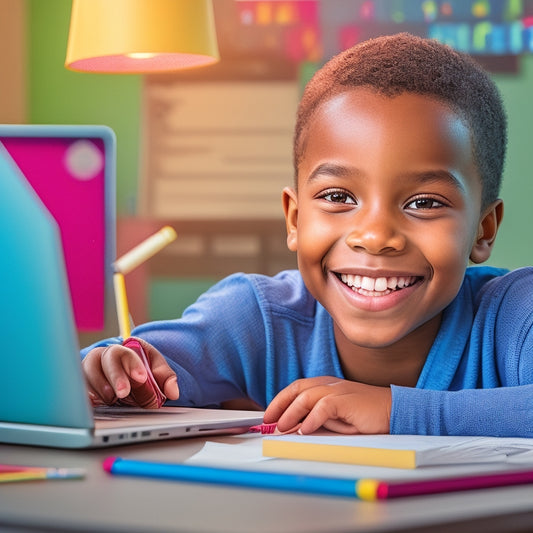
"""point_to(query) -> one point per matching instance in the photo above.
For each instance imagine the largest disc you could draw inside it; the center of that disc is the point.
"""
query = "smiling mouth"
(381, 286)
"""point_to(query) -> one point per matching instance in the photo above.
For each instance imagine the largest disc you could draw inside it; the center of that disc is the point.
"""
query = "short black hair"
(395, 64)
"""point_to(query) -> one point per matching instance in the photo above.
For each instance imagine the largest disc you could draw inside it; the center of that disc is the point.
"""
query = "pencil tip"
(108, 463)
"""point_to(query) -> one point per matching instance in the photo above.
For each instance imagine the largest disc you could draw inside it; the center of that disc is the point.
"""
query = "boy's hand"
(336, 404)
(116, 372)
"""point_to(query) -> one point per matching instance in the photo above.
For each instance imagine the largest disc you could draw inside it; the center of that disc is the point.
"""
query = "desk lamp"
(140, 36)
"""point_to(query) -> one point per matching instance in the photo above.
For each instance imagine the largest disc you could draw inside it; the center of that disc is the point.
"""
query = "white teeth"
(368, 283)
(392, 283)
(381, 284)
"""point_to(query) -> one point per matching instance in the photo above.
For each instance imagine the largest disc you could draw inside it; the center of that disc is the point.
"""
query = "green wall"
(59, 96)
(514, 247)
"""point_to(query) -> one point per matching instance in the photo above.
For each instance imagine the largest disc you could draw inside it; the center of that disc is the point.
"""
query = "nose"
(376, 232)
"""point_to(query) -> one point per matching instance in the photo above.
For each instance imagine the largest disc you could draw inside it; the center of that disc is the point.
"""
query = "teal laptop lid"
(40, 353)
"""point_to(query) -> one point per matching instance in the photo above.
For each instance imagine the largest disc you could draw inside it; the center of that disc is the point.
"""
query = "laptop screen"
(72, 169)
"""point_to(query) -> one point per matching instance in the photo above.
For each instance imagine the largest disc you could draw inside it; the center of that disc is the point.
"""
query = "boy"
(398, 152)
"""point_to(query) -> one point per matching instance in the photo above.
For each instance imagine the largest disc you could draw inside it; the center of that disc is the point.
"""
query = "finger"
(327, 413)
(95, 399)
(346, 413)
(163, 374)
(281, 402)
(314, 405)
(339, 426)
(301, 407)
(122, 366)
(170, 388)
(142, 395)
(99, 389)
(98, 400)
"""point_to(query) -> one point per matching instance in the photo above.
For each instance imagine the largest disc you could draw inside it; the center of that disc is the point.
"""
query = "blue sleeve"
(499, 412)
(503, 335)
(217, 356)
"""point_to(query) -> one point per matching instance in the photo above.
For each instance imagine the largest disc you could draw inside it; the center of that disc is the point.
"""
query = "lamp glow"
(141, 55)
(140, 36)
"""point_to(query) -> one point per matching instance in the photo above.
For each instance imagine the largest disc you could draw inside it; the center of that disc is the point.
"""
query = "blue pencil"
(240, 478)
(363, 488)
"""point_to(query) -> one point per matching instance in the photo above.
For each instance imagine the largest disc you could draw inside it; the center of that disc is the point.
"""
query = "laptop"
(43, 397)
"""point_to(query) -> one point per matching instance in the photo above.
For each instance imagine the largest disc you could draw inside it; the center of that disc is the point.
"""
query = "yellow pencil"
(121, 301)
(144, 250)
(127, 263)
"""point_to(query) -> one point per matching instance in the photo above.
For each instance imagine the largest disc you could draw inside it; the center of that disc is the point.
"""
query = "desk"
(102, 503)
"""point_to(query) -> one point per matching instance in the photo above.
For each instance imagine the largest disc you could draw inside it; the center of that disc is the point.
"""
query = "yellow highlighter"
(129, 261)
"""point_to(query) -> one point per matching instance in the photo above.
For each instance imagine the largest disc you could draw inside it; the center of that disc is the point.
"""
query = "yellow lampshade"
(140, 36)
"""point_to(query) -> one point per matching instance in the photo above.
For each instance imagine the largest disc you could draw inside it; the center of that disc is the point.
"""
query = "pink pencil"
(4, 469)
(483, 481)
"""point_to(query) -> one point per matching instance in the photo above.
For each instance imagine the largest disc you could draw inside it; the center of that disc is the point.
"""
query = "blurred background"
(208, 150)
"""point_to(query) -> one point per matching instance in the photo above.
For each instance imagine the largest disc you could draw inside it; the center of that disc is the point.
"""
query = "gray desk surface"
(101, 502)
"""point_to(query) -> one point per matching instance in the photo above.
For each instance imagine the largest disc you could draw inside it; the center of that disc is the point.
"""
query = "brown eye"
(338, 197)
(424, 203)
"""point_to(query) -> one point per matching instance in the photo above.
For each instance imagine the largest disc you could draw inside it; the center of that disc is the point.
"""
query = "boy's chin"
(368, 337)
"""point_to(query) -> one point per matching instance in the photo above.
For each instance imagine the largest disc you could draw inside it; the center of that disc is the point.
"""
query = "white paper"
(245, 452)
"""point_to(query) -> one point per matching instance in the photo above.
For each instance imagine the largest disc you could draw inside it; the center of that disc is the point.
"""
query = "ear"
(487, 230)
(290, 208)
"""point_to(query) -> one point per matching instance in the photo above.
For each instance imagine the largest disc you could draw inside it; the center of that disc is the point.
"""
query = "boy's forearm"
(501, 412)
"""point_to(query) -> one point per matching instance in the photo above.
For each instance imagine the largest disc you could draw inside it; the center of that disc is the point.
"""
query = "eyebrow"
(339, 171)
(425, 177)
(439, 175)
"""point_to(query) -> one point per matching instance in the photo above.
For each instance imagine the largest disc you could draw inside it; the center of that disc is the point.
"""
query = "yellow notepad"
(398, 451)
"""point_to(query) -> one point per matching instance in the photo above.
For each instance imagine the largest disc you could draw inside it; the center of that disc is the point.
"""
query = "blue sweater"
(251, 335)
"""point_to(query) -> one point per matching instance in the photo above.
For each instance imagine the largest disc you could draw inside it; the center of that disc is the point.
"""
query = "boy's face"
(387, 213)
